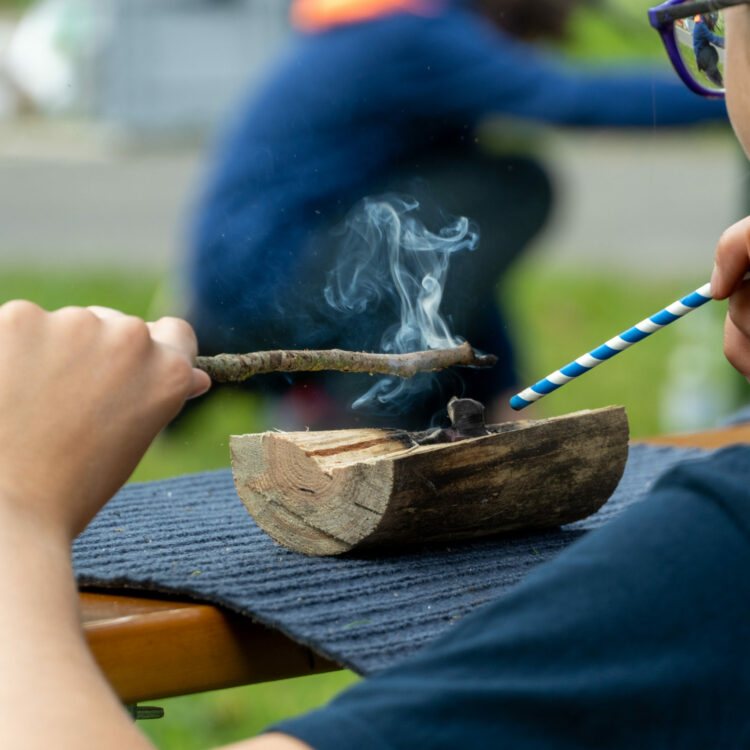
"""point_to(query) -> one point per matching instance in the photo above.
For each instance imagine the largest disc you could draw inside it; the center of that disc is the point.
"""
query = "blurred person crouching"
(383, 97)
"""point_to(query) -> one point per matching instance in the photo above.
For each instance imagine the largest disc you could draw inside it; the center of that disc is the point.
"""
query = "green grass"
(619, 32)
(557, 314)
(15, 5)
(198, 722)
(131, 293)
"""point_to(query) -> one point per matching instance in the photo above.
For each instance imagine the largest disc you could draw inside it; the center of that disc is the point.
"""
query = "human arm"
(82, 394)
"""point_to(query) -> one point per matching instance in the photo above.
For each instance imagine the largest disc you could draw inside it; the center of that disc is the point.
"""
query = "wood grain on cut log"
(325, 493)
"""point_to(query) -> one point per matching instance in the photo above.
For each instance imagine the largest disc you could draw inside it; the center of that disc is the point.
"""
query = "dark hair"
(530, 19)
(710, 20)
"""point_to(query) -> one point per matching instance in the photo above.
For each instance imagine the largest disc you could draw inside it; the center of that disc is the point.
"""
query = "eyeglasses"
(693, 34)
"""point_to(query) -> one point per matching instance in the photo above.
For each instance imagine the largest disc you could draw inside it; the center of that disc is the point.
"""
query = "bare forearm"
(52, 693)
(82, 394)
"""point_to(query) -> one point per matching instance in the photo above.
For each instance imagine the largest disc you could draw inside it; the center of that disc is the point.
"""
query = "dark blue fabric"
(635, 637)
(342, 109)
(192, 536)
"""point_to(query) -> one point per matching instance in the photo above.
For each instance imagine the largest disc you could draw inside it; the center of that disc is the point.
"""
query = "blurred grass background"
(557, 313)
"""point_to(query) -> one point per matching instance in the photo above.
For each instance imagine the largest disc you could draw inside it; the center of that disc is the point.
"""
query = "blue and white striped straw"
(607, 350)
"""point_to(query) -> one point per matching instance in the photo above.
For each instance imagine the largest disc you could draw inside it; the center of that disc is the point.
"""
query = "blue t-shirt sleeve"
(634, 637)
(469, 69)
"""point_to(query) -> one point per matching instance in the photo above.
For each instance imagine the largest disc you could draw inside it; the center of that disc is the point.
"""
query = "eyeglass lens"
(700, 41)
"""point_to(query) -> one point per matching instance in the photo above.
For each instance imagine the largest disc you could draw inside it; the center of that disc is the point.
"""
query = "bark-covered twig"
(232, 368)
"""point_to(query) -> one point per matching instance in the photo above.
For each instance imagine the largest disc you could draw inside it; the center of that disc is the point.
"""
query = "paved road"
(70, 196)
(647, 203)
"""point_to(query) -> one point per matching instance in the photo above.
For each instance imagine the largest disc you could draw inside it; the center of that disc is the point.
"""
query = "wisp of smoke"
(388, 255)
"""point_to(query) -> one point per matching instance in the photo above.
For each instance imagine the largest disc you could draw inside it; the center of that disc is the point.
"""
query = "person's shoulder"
(443, 18)
(461, 35)
(451, 33)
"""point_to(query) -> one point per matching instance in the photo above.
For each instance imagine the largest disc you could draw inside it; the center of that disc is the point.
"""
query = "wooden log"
(330, 492)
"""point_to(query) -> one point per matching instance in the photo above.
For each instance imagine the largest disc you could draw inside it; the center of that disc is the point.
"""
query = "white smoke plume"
(388, 255)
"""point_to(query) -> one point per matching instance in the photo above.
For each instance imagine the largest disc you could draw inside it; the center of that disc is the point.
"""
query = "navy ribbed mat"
(192, 536)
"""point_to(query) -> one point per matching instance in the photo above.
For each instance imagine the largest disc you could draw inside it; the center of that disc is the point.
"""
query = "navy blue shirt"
(341, 107)
(635, 637)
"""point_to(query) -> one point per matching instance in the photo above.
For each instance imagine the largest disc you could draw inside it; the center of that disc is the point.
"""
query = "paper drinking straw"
(607, 350)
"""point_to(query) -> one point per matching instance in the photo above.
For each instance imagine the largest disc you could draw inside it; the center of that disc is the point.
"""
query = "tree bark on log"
(233, 368)
(330, 492)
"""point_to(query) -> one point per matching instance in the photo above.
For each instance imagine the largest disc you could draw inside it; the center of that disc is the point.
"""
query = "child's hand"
(732, 262)
(83, 392)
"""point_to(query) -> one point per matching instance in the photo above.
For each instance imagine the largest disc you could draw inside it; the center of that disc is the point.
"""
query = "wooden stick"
(233, 368)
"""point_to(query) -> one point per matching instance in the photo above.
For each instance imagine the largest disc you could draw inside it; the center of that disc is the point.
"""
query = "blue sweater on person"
(703, 37)
(341, 107)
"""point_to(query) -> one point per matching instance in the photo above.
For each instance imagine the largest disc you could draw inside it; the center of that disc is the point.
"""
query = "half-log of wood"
(330, 492)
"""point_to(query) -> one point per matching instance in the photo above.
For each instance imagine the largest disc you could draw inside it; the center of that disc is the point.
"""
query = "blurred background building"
(145, 67)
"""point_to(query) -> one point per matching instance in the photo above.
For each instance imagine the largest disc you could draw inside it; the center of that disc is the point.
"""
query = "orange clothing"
(319, 15)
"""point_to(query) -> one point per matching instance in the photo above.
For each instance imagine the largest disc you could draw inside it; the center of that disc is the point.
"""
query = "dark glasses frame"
(662, 18)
